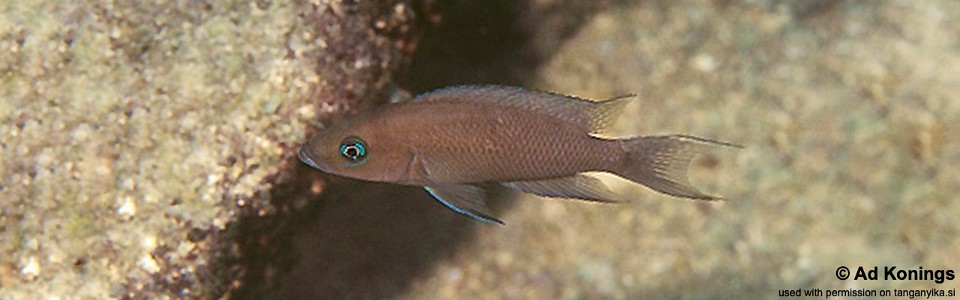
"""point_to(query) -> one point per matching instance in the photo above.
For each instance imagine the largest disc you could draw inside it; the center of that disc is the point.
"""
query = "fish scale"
(452, 140)
(521, 149)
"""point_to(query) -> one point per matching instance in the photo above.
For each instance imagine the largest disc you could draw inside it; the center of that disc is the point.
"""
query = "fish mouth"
(302, 154)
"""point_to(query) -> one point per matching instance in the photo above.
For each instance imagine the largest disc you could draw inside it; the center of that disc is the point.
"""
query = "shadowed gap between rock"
(369, 240)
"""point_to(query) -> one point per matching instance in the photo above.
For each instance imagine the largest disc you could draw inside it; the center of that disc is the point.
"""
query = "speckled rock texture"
(136, 139)
(134, 135)
(849, 114)
(847, 111)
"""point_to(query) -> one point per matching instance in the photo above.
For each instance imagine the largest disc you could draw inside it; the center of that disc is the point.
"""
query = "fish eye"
(353, 149)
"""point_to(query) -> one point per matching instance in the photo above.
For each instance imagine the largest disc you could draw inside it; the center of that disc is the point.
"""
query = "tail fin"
(661, 162)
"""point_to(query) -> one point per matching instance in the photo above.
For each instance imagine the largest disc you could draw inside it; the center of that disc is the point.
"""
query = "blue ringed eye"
(353, 149)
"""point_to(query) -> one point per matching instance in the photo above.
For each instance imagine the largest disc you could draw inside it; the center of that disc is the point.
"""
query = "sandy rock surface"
(135, 135)
(849, 115)
(135, 138)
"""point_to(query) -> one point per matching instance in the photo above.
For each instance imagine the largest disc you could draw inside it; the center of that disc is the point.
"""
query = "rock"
(136, 137)
(846, 111)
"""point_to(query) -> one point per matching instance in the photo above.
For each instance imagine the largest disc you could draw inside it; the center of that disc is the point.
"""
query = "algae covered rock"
(849, 116)
(132, 136)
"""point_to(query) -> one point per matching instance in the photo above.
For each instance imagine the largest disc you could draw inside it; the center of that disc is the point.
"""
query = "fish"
(457, 141)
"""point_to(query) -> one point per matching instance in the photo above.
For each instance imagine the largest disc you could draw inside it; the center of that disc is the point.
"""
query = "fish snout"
(305, 158)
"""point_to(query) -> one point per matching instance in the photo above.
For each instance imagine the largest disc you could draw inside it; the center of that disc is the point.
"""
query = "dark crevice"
(472, 42)
(370, 240)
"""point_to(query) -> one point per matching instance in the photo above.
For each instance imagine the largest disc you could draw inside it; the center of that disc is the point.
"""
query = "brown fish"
(453, 139)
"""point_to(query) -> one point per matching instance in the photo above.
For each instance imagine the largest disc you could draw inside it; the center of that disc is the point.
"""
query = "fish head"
(359, 148)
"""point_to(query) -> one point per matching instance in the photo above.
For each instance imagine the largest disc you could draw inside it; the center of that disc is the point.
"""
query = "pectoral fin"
(466, 199)
(577, 186)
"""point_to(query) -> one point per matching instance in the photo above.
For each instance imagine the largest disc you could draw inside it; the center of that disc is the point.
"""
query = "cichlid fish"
(452, 140)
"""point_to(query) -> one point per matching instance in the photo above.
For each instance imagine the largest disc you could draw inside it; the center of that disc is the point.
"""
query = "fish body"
(454, 139)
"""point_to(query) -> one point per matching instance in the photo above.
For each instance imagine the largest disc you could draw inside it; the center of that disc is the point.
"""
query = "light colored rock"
(125, 126)
(847, 112)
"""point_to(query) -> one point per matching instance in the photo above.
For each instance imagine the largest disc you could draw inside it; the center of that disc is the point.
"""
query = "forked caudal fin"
(661, 162)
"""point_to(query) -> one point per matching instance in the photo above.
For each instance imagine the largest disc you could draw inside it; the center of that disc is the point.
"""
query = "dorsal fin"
(592, 116)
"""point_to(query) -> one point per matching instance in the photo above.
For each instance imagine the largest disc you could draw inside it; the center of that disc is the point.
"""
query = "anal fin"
(578, 186)
(465, 199)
